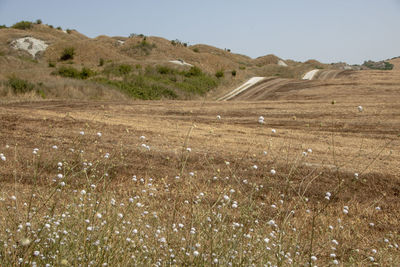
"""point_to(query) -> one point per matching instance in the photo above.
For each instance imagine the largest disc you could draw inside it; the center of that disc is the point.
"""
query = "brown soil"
(328, 85)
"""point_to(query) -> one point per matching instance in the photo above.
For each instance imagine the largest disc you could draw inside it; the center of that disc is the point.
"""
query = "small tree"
(38, 21)
(68, 53)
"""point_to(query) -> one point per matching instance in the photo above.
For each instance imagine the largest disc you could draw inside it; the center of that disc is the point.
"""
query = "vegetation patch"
(23, 25)
(380, 65)
(71, 72)
(219, 74)
(19, 86)
(158, 82)
(143, 48)
(68, 54)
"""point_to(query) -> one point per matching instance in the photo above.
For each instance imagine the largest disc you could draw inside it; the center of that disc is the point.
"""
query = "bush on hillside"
(68, 72)
(19, 86)
(117, 70)
(68, 53)
(233, 73)
(71, 72)
(196, 50)
(139, 87)
(69, 31)
(143, 47)
(193, 71)
(38, 21)
(219, 74)
(124, 69)
(162, 82)
(164, 70)
(380, 65)
(101, 62)
(86, 73)
(22, 25)
(3, 26)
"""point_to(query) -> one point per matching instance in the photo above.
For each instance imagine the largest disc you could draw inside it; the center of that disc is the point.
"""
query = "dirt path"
(241, 88)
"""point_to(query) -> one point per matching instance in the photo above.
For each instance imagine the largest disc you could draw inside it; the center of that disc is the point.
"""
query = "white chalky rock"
(29, 44)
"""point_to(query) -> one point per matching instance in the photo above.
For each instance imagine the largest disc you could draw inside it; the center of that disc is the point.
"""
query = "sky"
(349, 31)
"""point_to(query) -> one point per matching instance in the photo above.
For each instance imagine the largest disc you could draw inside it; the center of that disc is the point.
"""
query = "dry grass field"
(202, 182)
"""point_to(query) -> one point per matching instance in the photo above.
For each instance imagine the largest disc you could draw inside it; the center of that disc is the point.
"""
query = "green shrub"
(51, 26)
(68, 53)
(86, 73)
(68, 72)
(52, 64)
(219, 74)
(388, 66)
(19, 86)
(380, 65)
(59, 28)
(161, 82)
(164, 70)
(139, 87)
(242, 67)
(22, 25)
(41, 93)
(69, 31)
(118, 70)
(143, 47)
(3, 26)
(124, 69)
(38, 21)
(233, 73)
(196, 50)
(71, 72)
(193, 71)
(101, 62)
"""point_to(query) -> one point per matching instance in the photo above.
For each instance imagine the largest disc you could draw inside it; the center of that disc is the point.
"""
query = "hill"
(40, 61)
(31, 62)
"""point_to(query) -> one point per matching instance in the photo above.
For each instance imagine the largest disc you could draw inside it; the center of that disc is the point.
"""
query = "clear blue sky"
(329, 31)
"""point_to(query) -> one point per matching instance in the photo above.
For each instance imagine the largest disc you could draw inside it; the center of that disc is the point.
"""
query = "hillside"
(44, 74)
(40, 61)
